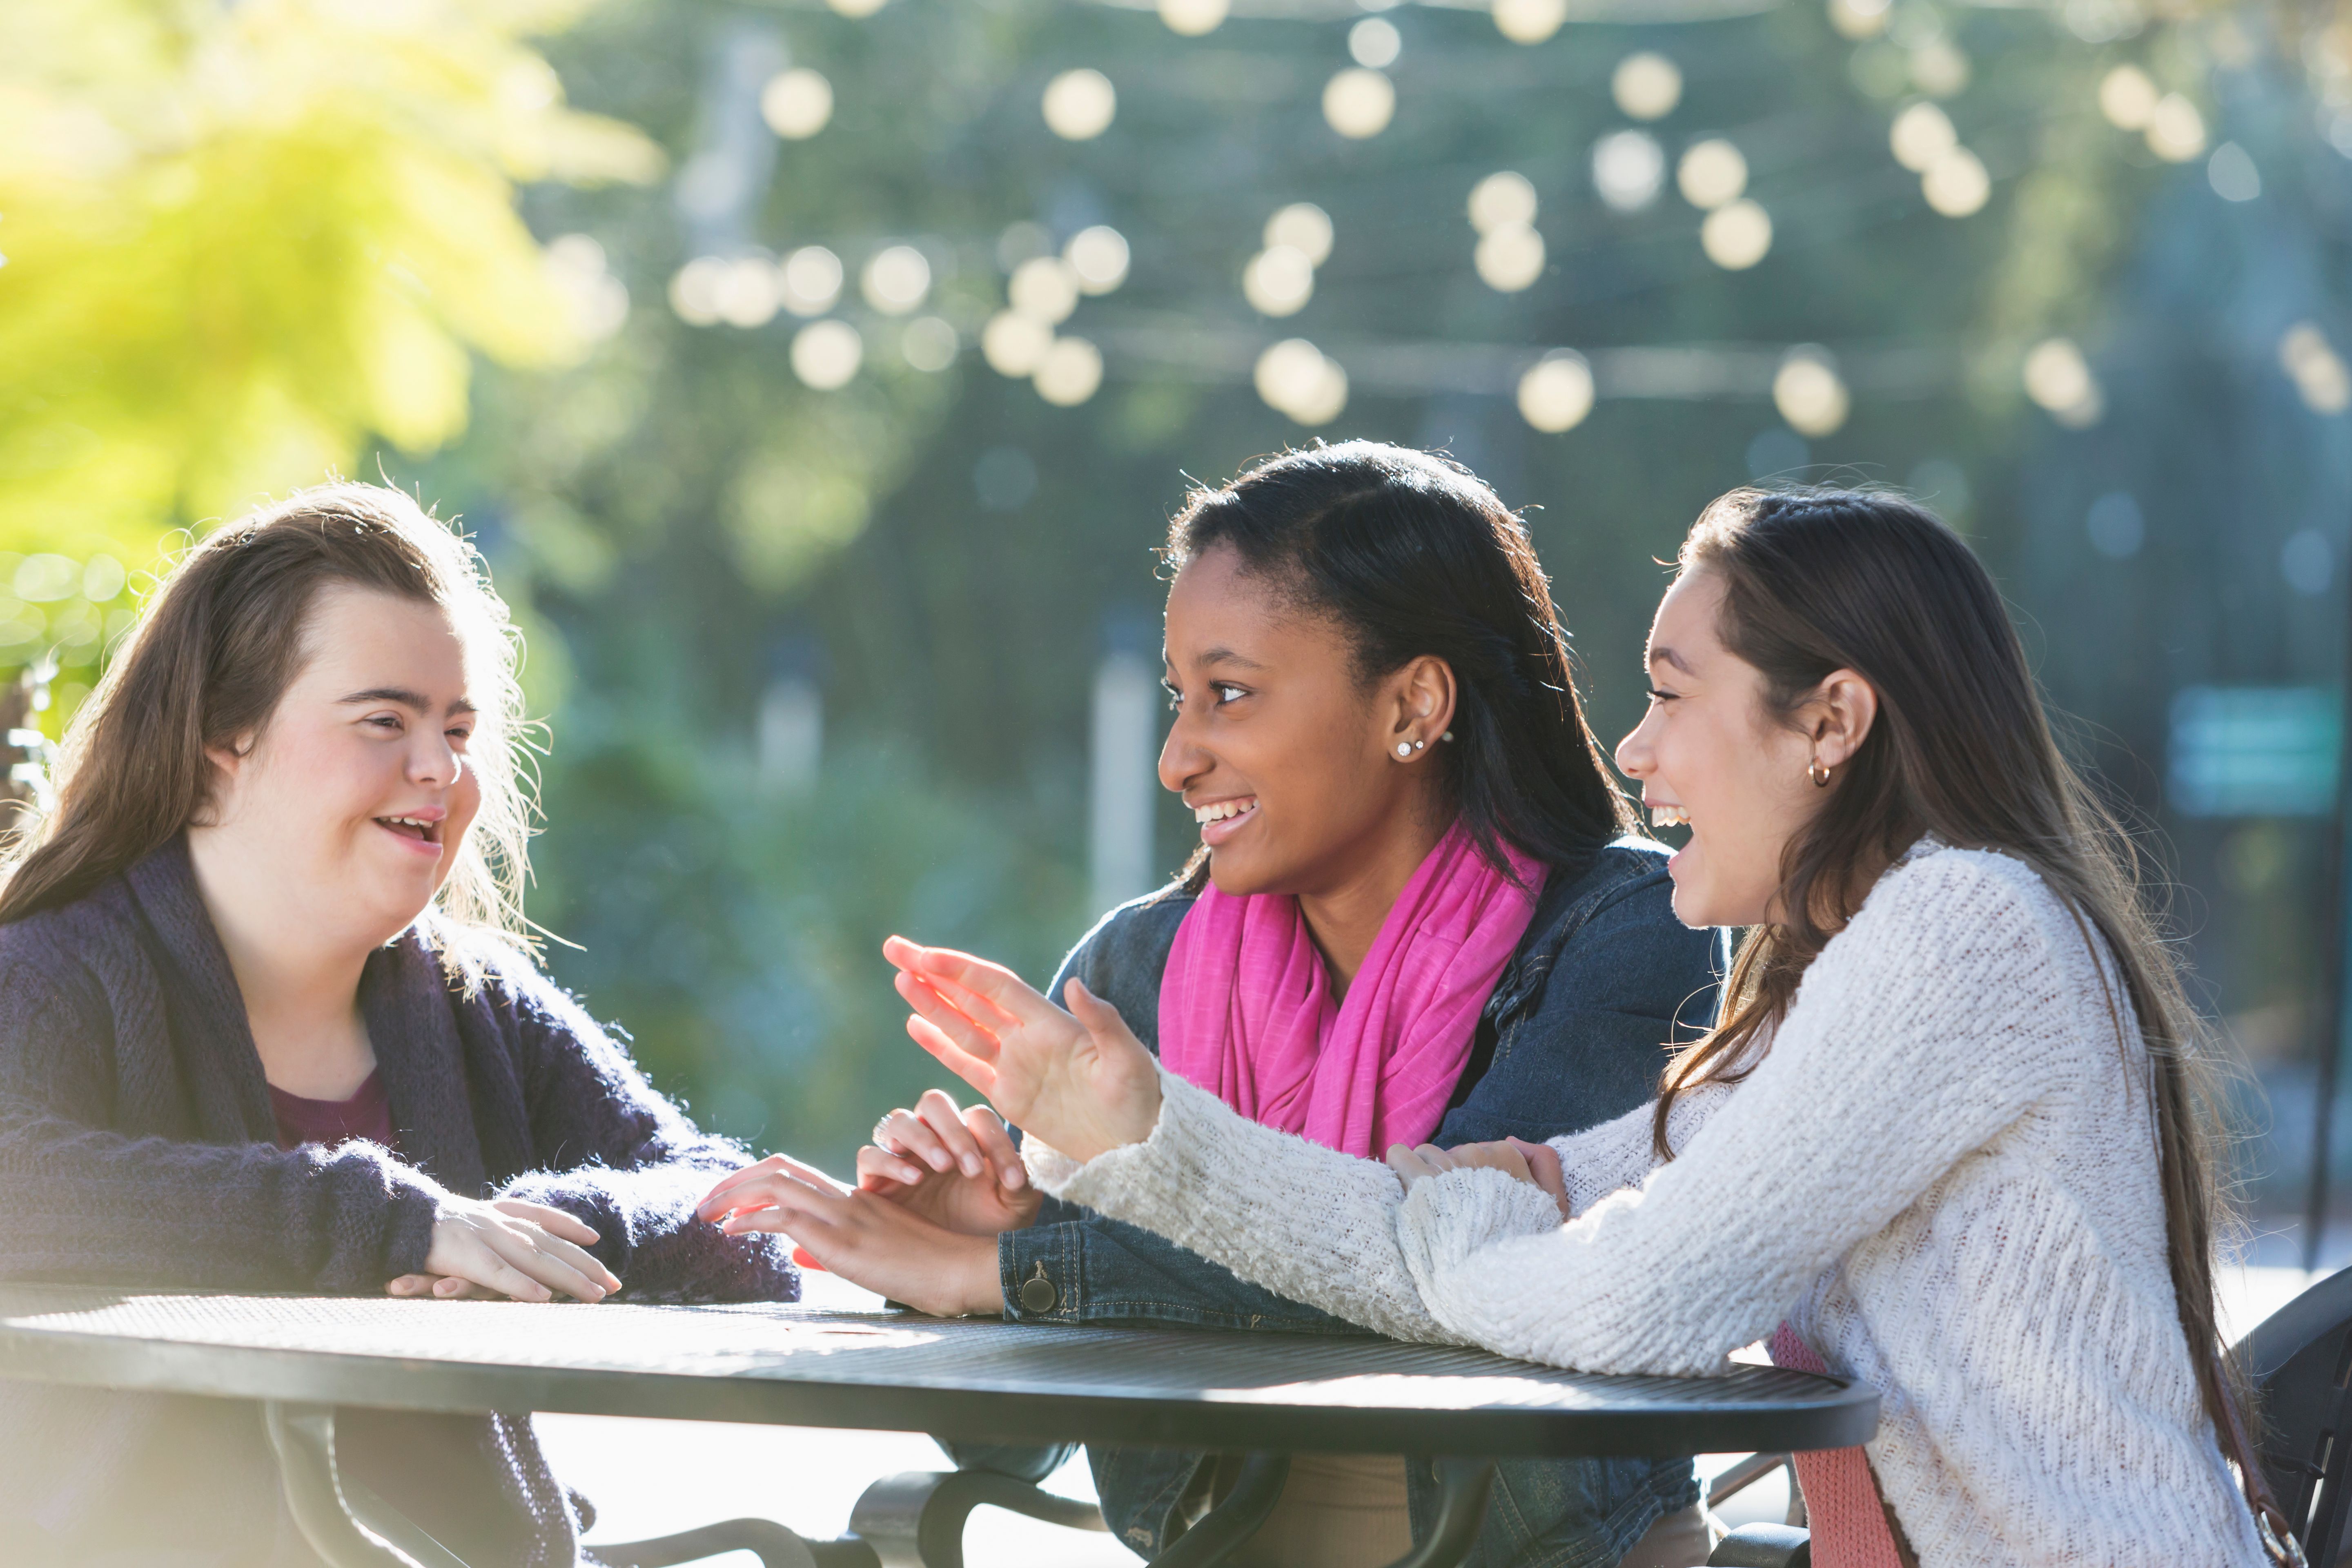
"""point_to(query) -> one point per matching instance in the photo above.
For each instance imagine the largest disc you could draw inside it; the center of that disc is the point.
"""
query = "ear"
(230, 759)
(1838, 716)
(1424, 704)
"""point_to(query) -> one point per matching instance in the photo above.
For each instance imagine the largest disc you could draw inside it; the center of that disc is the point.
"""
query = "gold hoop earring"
(1819, 774)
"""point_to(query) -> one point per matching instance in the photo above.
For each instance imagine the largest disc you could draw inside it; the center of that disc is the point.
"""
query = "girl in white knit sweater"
(1947, 1138)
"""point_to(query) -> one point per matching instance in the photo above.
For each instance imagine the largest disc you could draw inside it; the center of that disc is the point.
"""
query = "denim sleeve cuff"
(1038, 1271)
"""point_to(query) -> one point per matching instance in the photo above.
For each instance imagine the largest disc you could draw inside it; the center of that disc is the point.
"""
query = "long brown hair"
(1820, 580)
(218, 642)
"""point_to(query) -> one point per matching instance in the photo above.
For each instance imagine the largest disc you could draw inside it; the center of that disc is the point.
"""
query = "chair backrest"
(2300, 1361)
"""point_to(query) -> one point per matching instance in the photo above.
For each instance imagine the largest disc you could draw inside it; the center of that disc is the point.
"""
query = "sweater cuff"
(1456, 1213)
(1149, 1167)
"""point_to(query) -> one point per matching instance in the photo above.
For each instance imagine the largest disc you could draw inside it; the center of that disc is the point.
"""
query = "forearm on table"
(1306, 1223)
(648, 1234)
(1093, 1268)
(87, 1203)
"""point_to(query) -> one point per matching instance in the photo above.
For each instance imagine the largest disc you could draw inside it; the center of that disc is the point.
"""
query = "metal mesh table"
(1209, 1389)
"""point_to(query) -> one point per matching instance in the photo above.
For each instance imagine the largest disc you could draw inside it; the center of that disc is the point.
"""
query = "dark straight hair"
(1817, 580)
(1409, 554)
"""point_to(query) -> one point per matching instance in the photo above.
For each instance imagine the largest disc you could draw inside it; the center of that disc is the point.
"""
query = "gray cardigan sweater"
(137, 1147)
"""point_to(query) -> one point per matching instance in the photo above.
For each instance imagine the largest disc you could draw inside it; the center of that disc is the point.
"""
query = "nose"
(432, 761)
(1634, 753)
(1182, 759)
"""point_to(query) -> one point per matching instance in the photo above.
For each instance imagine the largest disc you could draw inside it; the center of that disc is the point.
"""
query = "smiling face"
(347, 810)
(1288, 760)
(1711, 753)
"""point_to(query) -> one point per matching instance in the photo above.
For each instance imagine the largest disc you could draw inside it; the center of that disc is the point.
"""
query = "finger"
(1435, 1158)
(917, 1139)
(454, 1287)
(973, 1070)
(537, 1257)
(988, 1131)
(553, 1221)
(993, 981)
(987, 1014)
(1405, 1162)
(1543, 1164)
(950, 1019)
(409, 1285)
(484, 1265)
(878, 1168)
(944, 1117)
(750, 1172)
(807, 1259)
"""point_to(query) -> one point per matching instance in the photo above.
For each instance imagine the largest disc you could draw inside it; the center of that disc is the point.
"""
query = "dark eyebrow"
(1668, 656)
(1227, 655)
(406, 698)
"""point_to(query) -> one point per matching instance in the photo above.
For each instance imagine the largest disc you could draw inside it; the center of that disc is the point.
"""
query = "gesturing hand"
(956, 1168)
(1080, 1079)
(862, 1238)
(508, 1247)
(1538, 1164)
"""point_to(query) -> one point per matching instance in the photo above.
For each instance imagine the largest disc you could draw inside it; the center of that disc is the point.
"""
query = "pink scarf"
(1246, 1011)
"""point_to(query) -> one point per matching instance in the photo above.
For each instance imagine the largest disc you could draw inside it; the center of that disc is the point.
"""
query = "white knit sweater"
(1943, 1175)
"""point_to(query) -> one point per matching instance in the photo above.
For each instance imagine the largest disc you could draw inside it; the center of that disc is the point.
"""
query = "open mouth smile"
(1669, 817)
(422, 830)
(1221, 819)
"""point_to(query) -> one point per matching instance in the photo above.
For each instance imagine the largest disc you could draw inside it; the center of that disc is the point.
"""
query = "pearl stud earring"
(1404, 748)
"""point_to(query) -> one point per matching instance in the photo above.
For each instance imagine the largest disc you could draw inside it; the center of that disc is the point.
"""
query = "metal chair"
(914, 1519)
(2300, 1363)
(2299, 1360)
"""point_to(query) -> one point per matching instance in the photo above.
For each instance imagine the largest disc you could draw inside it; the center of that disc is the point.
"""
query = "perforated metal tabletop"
(958, 1378)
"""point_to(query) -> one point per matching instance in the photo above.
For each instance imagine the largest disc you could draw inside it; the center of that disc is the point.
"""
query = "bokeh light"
(1045, 288)
(1192, 18)
(1711, 173)
(1359, 102)
(1808, 393)
(1079, 105)
(2127, 98)
(1737, 234)
(2176, 129)
(599, 302)
(2317, 371)
(1509, 257)
(1956, 184)
(897, 279)
(1303, 226)
(1646, 86)
(797, 103)
(854, 9)
(1069, 372)
(1556, 393)
(1375, 43)
(1278, 280)
(1530, 21)
(1500, 200)
(1858, 19)
(811, 279)
(1297, 379)
(694, 291)
(2231, 172)
(1098, 256)
(1939, 69)
(1628, 166)
(1921, 134)
(928, 343)
(826, 354)
(748, 292)
(2059, 379)
(1014, 345)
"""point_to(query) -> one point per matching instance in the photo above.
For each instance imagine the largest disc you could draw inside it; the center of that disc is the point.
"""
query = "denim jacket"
(1572, 1035)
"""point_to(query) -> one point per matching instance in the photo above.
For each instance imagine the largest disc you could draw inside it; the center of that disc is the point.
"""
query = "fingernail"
(970, 1166)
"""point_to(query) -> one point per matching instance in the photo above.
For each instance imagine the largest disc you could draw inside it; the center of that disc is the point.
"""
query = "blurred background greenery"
(818, 379)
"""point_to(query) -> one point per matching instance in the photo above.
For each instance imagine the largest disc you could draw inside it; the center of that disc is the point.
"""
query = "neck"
(1344, 919)
(298, 978)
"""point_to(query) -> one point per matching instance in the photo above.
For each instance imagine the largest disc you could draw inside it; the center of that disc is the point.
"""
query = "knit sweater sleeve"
(623, 1158)
(86, 1203)
(1911, 1044)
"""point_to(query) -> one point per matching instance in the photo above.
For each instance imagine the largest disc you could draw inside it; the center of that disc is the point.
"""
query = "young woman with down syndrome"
(1416, 915)
(266, 1023)
(1947, 1138)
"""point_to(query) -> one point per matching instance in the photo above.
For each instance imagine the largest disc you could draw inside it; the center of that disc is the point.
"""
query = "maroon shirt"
(367, 1114)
